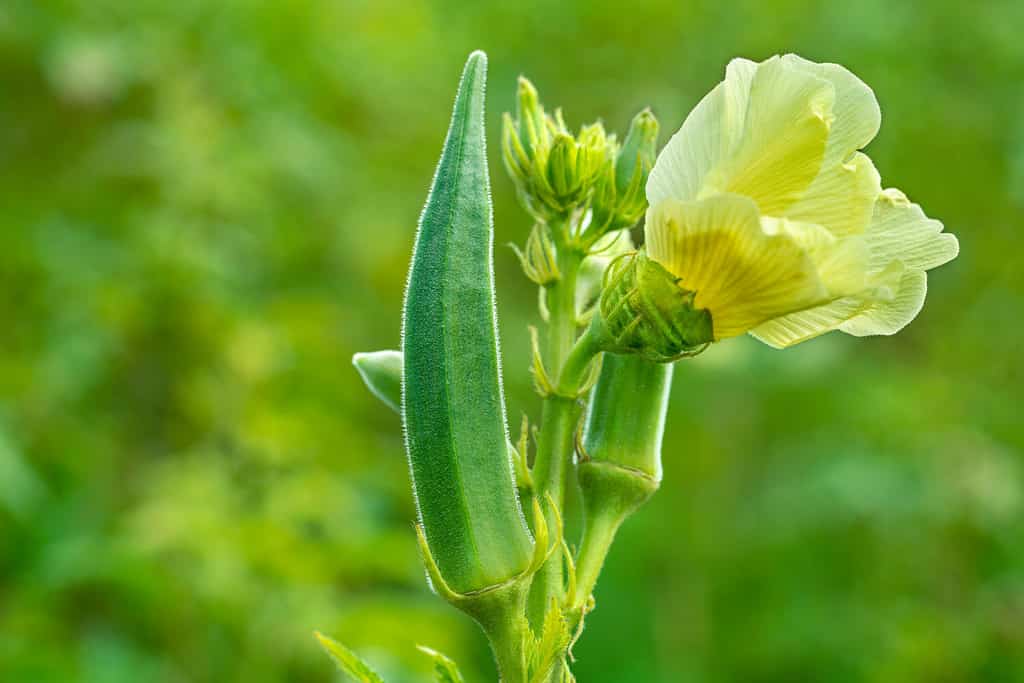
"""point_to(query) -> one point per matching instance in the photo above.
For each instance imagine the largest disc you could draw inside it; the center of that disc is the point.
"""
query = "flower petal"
(761, 133)
(901, 231)
(856, 111)
(841, 198)
(842, 264)
(782, 146)
(895, 299)
(842, 195)
(803, 325)
(891, 315)
(901, 242)
(740, 273)
(692, 152)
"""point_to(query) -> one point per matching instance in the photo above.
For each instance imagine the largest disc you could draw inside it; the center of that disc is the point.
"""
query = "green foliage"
(454, 410)
(347, 661)
(546, 647)
(207, 210)
(445, 670)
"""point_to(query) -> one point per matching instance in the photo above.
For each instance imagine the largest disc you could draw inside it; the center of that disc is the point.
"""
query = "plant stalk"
(559, 417)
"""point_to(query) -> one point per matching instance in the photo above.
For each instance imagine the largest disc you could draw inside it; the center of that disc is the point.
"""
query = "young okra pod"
(620, 465)
(453, 408)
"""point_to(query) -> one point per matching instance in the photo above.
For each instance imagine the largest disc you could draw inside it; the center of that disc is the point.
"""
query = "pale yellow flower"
(764, 206)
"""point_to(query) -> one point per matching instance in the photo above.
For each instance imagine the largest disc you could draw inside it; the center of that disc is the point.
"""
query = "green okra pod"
(620, 458)
(453, 408)
(625, 417)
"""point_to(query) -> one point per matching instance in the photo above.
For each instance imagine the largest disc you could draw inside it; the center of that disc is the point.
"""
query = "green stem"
(597, 541)
(506, 638)
(559, 417)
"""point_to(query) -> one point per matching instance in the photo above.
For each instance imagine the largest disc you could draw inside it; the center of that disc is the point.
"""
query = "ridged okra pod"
(620, 459)
(626, 414)
(452, 403)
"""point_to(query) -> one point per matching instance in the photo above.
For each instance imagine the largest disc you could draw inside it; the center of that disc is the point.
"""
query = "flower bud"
(619, 199)
(554, 171)
(539, 258)
(531, 117)
(638, 152)
(643, 309)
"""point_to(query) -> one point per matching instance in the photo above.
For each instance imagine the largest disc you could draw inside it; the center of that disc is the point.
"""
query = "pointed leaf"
(445, 670)
(347, 661)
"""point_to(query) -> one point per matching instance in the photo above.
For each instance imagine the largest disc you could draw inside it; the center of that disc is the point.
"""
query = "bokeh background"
(207, 207)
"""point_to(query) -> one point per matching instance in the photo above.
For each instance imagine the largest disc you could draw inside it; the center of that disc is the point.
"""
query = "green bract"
(453, 407)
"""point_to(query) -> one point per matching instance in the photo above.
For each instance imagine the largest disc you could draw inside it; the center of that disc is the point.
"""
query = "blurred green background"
(207, 207)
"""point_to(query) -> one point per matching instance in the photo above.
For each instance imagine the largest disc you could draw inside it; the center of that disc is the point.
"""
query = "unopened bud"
(639, 150)
(539, 259)
(644, 310)
(619, 198)
(553, 170)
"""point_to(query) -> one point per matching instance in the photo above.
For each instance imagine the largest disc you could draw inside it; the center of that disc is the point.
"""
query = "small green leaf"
(347, 661)
(382, 373)
(544, 650)
(445, 669)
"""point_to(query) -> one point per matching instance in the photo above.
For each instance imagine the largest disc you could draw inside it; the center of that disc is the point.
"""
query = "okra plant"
(761, 216)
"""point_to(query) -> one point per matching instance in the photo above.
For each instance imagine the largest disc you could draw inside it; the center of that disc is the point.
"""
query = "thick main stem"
(506, 640)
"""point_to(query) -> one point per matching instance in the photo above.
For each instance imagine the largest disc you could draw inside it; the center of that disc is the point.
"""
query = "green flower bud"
(638, 152)
(619, 198)
(539, 258)
(554, 171)
(531, 117)
(643, 309)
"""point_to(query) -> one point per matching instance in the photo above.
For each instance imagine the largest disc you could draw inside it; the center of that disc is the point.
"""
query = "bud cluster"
(553, 170)
(589, 178)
